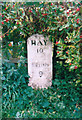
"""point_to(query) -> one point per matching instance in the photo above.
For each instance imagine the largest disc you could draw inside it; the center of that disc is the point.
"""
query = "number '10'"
(40, 50)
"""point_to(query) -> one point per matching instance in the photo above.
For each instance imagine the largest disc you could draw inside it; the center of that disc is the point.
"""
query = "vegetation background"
(61, 22)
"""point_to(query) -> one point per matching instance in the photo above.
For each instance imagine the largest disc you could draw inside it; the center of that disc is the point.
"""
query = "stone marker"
(39, 52)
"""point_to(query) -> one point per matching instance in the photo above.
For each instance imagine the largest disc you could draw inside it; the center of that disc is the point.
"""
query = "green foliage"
(61, 100)
(61, 23)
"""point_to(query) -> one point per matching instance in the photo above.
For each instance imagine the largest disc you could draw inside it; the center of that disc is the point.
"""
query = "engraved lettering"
(40, 73)
(39, 43)
(40, 64)
(45, 41)
(33, 42)
(39, 61)
(39, 50)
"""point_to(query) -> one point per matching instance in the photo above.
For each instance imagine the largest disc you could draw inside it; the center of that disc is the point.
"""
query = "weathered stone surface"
(39, 52)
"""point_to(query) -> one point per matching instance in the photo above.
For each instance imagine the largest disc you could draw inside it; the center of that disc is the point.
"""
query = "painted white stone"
(39, 52)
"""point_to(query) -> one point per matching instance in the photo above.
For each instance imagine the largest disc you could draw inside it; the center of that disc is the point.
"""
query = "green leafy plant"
(61, 23)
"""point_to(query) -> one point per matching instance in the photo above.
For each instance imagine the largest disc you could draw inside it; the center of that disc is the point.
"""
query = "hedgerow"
(61, 23)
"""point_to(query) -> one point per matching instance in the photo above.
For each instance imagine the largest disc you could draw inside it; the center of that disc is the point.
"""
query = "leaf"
(10, 52)
(30, 94)
(23, 79)
(78, 81)
(31, 19)
(4, 86)
(54, 28)
(50, 110)
(3, 78)
(72, 67)
(45, 104)
(27, 18)
(34, 12)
